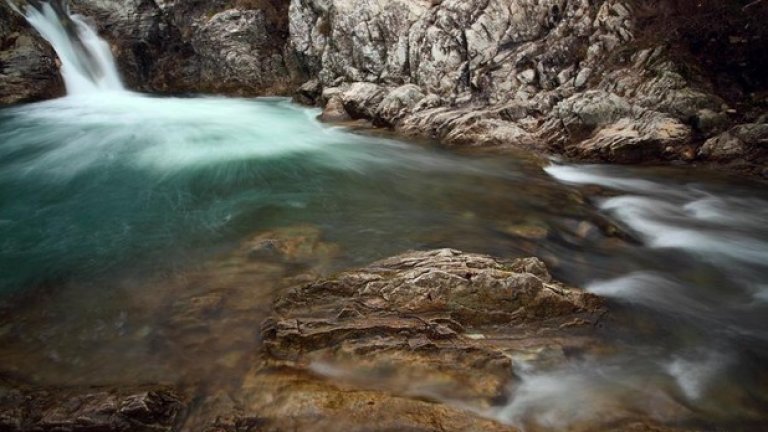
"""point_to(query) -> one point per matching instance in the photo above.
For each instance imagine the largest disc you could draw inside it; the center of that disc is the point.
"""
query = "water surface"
(126, 221)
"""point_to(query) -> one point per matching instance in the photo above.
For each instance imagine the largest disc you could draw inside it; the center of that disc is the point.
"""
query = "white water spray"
(87, 63)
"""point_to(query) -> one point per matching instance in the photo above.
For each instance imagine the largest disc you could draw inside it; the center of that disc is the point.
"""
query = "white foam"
(743, 212)
(576, 395)
(761, 294)
(653, 290)
(665, 225)
(693, 374)
(587, 174)
(167, 134)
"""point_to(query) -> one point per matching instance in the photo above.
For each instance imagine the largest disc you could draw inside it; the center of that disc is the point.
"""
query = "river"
(116, 206)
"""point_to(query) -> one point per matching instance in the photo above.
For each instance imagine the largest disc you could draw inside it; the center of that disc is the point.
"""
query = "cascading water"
(87, 63)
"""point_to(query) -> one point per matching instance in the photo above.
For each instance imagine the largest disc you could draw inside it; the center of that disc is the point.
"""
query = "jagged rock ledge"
(580, 78)
(411, 328)
(425, 300)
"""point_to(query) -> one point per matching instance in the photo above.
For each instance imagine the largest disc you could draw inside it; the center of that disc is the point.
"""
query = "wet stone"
(64, 410)
(439, 322)
(529, 232)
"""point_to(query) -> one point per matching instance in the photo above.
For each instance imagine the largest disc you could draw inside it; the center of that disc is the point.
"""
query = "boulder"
(309, 92)
(746, 141)
(399, 103)
(442, 325)
(648, 138)
(361, 99)
(334, 111)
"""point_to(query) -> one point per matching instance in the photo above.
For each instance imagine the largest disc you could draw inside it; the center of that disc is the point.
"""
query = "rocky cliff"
(614, 80)
(232, 47)
(592, 80)
(28, 69)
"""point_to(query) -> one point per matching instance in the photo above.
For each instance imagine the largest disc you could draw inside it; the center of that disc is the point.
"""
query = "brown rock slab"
(420, 341)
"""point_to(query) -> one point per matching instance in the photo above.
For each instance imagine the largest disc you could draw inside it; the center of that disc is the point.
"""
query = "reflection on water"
(137, 238)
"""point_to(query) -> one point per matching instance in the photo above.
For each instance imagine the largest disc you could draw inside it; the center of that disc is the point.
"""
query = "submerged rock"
(76, 410)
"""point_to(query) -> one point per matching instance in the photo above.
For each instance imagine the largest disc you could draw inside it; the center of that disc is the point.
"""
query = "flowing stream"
(116, 206)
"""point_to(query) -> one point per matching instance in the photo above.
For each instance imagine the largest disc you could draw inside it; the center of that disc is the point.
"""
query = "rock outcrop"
(743, 144)
(227, 47)
(440, 325)
(440, 292)
(28, 70)
(423, 341)
(572, 77)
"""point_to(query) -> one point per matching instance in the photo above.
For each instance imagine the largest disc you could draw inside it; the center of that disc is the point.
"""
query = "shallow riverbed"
(135, 239)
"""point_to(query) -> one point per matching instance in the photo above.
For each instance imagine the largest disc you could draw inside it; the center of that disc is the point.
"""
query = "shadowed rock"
(75, 410)
(28, 69)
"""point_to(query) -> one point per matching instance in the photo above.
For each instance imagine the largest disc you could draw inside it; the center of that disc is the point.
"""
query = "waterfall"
(87, 63)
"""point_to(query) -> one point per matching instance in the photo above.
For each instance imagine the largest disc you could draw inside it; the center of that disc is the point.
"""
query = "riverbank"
(593, 82)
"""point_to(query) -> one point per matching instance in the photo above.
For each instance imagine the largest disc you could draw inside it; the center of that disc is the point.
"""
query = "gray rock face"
(743, 142)
(235, 46)
(225, 47)
(28, 69)
(456, 46)
(230, 47)
(548, 75)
